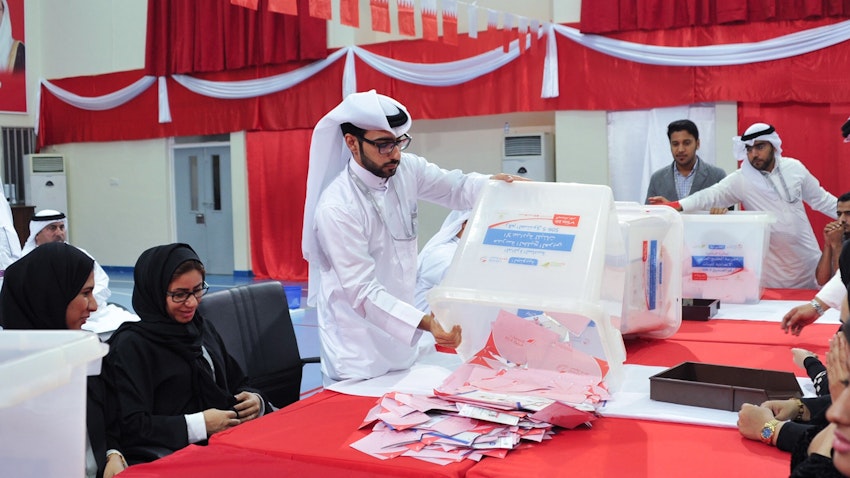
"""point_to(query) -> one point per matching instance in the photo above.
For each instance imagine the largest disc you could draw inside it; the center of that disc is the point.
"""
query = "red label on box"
(565, 220)
(699, 276)
(644, 251)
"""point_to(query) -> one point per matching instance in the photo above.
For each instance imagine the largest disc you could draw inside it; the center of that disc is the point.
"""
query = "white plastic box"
(43, 400)
(724, 254)
(536, 250)
(651, 278)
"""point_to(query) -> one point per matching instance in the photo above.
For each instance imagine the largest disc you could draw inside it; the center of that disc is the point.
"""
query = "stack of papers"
(526, 367)
(442, 431)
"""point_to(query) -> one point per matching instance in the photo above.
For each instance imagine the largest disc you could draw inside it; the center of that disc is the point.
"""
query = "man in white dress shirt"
(360, 236)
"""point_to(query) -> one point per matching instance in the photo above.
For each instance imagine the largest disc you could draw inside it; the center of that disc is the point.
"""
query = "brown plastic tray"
(721, 387)
(700, 309)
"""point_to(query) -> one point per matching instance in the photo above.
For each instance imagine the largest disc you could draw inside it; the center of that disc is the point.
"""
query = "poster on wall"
(13, 85)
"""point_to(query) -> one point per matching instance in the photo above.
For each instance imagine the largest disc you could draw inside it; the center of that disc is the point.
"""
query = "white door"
(203, 206)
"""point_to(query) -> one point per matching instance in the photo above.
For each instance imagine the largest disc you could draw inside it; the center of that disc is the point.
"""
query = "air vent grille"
(531, 145)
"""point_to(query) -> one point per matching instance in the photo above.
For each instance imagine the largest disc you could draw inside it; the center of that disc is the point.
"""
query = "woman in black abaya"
(175, 381)
(51, 288)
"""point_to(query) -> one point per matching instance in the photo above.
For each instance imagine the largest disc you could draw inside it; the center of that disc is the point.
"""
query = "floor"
(303, 319)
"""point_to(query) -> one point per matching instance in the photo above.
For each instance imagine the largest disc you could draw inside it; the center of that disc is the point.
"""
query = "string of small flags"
(432, 18)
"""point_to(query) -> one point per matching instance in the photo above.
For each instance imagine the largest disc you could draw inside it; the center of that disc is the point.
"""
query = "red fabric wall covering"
(609, 16)
(812, 134)
(588, 81)
(277, 185)
(202, 36)
(192, 114)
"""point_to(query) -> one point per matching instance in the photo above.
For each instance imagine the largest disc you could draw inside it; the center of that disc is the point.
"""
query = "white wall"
(119, 198)
(115, 222)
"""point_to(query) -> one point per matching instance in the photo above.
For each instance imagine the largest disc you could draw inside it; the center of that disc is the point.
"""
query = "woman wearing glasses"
(175, 381)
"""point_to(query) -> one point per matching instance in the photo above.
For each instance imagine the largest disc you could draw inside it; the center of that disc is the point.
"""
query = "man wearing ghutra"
(770, 182)
(360, 236)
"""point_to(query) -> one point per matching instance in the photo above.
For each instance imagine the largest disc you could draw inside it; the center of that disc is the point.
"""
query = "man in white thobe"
(768, 181)
(360, 236)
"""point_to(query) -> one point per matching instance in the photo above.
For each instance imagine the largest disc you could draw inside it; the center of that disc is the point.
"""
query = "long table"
(312, 437)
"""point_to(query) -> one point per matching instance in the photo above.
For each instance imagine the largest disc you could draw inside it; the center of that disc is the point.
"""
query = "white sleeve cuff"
(832, 293)
(196, 426)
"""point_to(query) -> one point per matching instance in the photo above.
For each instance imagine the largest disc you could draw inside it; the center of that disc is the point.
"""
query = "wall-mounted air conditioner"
(531, 155)
(45, 182)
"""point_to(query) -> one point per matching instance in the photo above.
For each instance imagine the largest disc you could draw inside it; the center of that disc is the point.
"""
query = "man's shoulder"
(661, 172)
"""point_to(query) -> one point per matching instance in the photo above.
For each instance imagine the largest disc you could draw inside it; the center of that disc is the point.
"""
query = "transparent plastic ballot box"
(651, 276)
(43, 400)
(724, 254)
(534, 248)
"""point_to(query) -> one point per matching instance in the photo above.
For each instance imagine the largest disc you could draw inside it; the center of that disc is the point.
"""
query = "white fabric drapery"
(462, 71)
(638, 145)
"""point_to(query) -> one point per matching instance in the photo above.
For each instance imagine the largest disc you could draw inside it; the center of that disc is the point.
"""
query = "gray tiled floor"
(304, 319)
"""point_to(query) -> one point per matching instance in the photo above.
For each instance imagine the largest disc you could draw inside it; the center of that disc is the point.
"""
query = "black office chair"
(254, 322)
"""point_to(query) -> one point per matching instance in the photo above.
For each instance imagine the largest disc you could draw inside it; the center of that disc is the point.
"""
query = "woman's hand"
(219, 420)
(751, 420)
(248, 406)
(836, 364)
(782, 409)
(822, 442)
(115, 464)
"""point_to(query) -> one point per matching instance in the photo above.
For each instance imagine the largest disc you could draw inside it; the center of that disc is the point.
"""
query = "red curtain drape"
(277, 185)
(609, 16)
(812, 134)
(190, 36)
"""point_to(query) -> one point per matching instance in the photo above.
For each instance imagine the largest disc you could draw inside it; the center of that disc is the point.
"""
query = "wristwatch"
(818, 308)
(768, 430)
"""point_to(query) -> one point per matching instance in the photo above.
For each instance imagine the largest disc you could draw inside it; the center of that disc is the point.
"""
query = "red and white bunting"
(472, 16)
(429, 20)
(406, 18)
(492, 20)
(349, 13)
(507, 31)
(522, 33)
(252, 4)
(320, 9)
(287, 7)
(450, 22)
(380, 15)
(535, 30)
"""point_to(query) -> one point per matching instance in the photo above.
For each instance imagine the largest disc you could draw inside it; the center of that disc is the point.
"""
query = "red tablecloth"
(311, 437)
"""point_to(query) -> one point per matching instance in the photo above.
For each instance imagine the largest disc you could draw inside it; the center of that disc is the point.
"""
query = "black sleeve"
(817, 372)
(146, 421)
(790, 434)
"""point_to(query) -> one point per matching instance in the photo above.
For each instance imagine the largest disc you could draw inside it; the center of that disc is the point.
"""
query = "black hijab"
(152, 276)
(38, 287)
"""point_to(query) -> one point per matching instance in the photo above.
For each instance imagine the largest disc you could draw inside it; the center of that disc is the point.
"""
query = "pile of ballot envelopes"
(511, 394)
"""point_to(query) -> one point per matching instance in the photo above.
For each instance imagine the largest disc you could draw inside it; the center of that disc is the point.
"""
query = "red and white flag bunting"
(429, 20)
(320, 9)
(252, 4)
(287, 7)
(507, 31)
(522, 33)
(492, 20)
(380, 15)
(472, 15)
(450, 22)
(535, 30)
(406, 18)
(349, 13)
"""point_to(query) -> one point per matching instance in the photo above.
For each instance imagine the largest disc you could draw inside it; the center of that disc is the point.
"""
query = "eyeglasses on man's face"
(758, 147)
(387, 147)
(181, 296)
